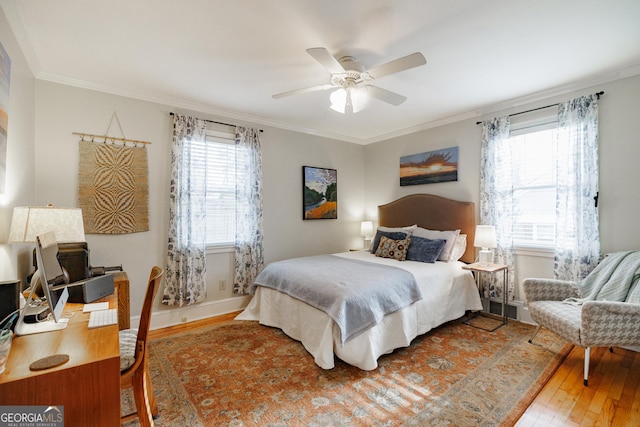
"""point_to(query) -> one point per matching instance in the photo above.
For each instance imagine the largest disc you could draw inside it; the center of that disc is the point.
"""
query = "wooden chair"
(134, 369)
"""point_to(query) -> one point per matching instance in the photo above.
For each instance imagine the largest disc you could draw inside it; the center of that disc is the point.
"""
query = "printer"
(85, 284)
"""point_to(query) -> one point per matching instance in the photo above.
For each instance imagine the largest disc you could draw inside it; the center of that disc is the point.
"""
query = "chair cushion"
(559, 318)
(128, 338)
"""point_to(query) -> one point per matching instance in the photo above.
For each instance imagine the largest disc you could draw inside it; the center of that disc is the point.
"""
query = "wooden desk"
(121, 285)
(87, 386)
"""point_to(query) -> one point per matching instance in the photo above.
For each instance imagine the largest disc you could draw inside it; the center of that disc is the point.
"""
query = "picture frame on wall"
(319, 193)
(430, 167)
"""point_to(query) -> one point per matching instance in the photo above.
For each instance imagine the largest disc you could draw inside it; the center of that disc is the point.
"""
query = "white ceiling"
(228, 57)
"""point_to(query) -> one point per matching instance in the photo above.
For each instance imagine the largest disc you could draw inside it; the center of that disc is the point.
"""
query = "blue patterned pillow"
(425, 250)
(393, 235)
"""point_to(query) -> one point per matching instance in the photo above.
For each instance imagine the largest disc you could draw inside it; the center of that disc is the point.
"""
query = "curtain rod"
(218, 123)
(599, 94)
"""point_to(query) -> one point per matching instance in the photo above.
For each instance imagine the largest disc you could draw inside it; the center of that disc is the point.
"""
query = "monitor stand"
(23, 328)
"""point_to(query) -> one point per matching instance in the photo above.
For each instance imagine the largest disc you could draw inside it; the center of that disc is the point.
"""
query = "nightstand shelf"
(479, 270)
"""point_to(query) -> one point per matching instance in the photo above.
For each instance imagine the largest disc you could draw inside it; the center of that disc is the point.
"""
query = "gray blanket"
(355, 294)
(612, 279)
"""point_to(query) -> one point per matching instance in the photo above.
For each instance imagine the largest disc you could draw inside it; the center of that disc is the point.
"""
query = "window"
(534, 184)
(222, 155)
(519, 157)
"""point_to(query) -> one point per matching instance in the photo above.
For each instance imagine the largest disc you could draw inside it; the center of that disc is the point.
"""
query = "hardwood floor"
(191, 326)
(612, 397)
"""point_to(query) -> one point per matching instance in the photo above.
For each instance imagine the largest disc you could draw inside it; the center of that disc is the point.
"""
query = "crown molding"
(521, 101)
(441, 121)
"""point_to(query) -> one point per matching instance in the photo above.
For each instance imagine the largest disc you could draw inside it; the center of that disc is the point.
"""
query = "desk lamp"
(485, 240)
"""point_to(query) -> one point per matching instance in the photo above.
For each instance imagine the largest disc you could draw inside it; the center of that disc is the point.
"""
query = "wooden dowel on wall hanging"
(108, 139)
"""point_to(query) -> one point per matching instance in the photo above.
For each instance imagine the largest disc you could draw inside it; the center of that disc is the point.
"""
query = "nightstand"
(479, 270)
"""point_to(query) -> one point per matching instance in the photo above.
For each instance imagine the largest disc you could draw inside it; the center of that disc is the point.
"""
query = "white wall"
(20, 177)
(62, 110)
(382, 162)
(619, 112)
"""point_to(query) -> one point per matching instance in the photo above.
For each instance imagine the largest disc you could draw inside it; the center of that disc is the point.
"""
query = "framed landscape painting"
(320, 193)
(430, 167)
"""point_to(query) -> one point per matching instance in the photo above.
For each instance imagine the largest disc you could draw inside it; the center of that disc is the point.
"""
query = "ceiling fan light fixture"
(349, 81)
(359, 98)
(338, 100)
(350, 100)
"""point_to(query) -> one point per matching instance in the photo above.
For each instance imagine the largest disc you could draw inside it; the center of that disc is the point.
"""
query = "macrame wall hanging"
(113, 183)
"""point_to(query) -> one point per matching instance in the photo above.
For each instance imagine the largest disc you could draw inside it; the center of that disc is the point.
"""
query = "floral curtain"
(186, 267)
(577, 249)
(496, 196)
(248, 256)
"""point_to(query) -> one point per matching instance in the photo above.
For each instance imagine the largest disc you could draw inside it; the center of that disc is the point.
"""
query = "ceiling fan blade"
(386, 96)
(395, 66)
(325, 59)
(304, 90)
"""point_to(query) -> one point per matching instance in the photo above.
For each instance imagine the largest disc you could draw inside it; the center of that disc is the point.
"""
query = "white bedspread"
(355, 294)
(447, 291)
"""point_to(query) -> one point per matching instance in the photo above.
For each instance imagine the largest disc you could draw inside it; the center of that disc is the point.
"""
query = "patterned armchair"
(592, 324)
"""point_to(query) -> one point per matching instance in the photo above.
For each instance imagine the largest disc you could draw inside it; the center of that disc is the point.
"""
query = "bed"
(447, 291)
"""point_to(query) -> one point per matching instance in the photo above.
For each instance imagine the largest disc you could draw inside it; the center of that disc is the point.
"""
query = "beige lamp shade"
(31, 221)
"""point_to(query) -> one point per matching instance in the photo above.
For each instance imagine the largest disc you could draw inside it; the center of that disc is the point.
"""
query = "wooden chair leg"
(140, 396)
(153, 404)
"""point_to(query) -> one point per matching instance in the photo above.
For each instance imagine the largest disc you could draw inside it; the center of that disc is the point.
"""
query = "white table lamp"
(31, 221)
(366, 231)
(485, 240)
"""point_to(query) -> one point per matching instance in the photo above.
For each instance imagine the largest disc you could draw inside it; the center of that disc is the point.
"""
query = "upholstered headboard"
(432, 212)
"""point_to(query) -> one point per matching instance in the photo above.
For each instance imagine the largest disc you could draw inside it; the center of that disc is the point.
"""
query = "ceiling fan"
(350, 80)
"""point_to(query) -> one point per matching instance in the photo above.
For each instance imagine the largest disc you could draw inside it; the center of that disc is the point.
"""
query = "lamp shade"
(31, 221)
(485, 237)
(366, 229)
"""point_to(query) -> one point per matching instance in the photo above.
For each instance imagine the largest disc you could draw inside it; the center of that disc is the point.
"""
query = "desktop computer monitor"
(53, 286)
(51, 275)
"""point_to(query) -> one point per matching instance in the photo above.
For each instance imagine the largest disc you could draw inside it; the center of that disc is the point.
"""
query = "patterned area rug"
(245, 374)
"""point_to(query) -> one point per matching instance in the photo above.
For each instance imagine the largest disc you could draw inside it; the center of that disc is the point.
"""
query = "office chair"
(134, 369)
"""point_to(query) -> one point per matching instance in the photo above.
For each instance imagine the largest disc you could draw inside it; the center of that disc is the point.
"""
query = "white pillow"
(409, 229)
(449, 236)
(459, 247)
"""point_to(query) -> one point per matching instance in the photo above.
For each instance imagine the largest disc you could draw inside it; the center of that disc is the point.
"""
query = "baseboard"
(525, 316)
(171, 317)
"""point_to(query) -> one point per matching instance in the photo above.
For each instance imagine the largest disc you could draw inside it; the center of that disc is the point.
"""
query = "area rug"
(245, 374)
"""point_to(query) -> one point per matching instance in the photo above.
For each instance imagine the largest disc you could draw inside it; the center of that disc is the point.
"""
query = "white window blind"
(222, 155)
